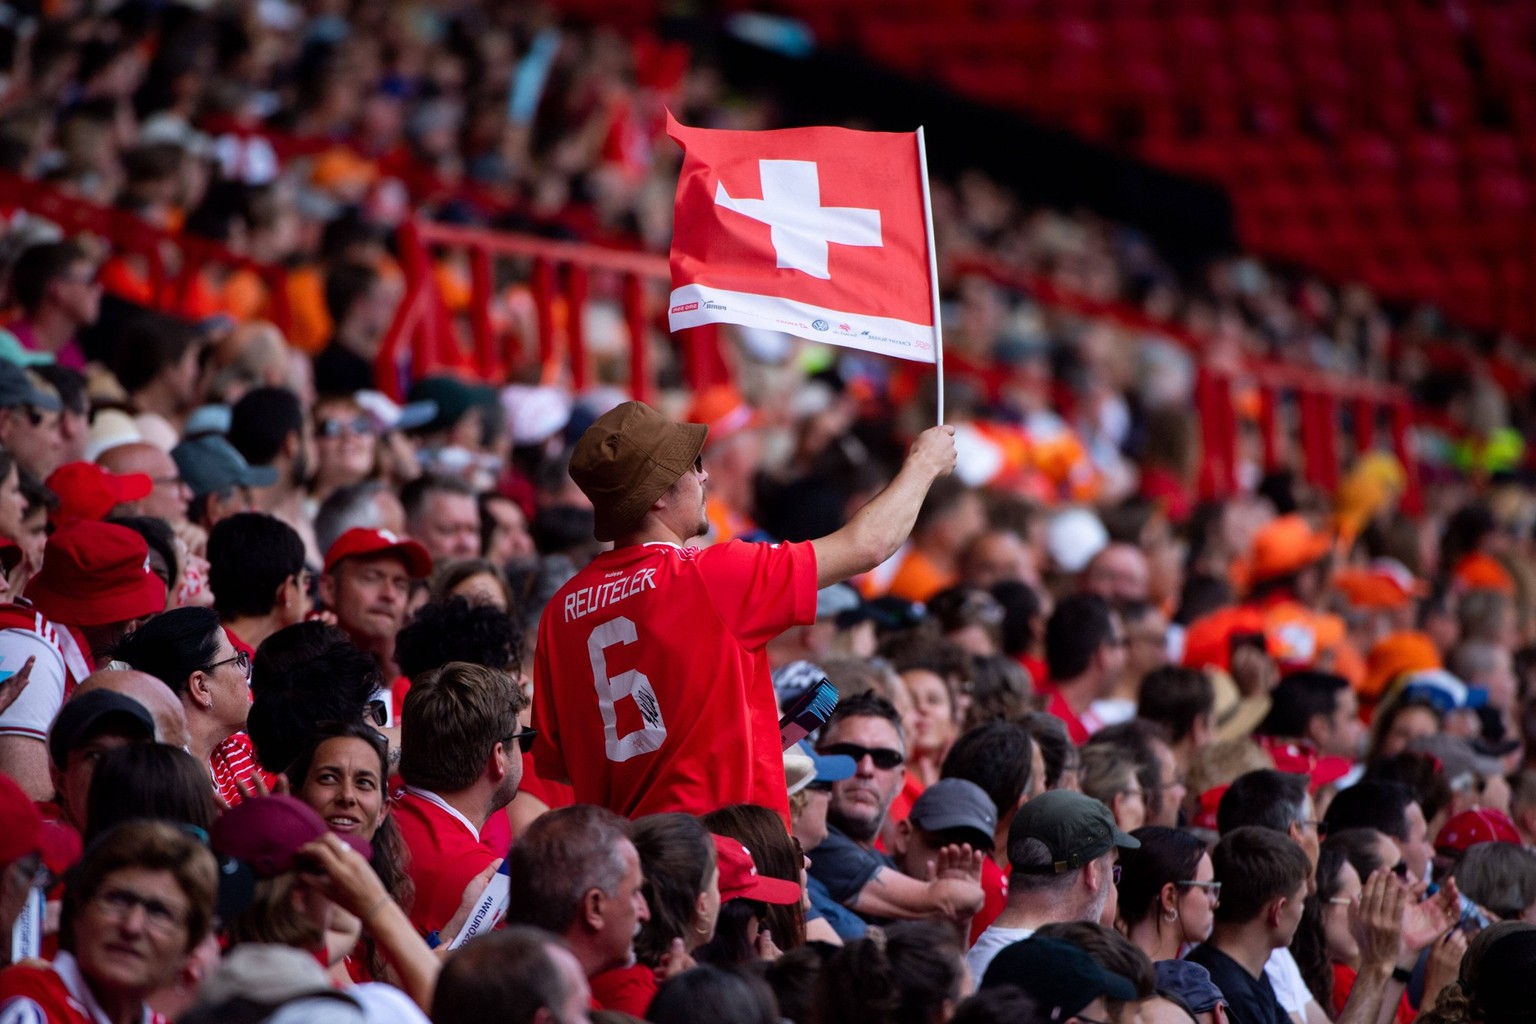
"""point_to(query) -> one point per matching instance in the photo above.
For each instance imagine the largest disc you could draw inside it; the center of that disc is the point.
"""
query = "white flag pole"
(933, 273)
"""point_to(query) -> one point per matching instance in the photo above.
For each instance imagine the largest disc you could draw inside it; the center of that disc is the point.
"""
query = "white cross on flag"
(817, 232)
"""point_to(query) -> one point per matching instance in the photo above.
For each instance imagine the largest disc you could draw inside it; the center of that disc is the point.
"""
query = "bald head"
(163, 706)
(169, 498)
(1118, 574)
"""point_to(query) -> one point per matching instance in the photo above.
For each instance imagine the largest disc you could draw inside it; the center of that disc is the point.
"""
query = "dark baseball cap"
(1058, 976)
(211, 465)
(17, 388)
(91, 714)
(954, 804)
(1190, 982)
(268, 832)
(628, 459)
(1076, 828)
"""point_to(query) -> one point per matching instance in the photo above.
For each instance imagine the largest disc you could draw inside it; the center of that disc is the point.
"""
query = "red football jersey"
(651, 687)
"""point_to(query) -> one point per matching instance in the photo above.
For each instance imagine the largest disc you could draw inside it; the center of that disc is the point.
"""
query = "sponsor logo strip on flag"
(817, 232)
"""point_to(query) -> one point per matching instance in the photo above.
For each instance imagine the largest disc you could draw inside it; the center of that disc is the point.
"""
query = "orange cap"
(1284, 546)
(1483, 572)
(1393, 655)
(1208, 641)
(1385, 584)
(721, 408)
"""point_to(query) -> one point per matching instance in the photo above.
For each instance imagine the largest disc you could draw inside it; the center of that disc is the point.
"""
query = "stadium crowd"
(1101, 751)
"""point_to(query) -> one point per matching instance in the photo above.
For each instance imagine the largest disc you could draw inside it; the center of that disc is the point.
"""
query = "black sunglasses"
(378, 712)
(524, 739)
(884, 758)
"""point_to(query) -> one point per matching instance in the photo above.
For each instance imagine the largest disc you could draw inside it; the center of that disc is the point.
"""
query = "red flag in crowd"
(817, 232)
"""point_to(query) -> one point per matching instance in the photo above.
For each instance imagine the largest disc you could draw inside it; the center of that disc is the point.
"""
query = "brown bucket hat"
(628, 459)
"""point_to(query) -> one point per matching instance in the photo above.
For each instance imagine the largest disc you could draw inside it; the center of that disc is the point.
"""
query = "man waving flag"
(824, 233)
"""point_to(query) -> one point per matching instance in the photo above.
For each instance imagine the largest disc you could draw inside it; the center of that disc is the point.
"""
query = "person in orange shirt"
(952, 517)
(1288, 579)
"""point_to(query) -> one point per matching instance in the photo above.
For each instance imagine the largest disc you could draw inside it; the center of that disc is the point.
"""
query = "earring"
(1171, 916)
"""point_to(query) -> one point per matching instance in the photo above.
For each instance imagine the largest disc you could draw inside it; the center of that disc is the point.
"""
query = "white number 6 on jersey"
(611, 689)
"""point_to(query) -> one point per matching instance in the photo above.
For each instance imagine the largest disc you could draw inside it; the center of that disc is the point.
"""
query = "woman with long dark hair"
(1168, 893)
(341, 773)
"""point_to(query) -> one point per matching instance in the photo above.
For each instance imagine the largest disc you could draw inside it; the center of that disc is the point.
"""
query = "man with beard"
(867, 728)
(655, 656)
(366, 583)
(461, 760)
(268, 427)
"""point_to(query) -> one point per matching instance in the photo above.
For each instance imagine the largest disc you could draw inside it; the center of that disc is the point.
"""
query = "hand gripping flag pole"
(823, 233)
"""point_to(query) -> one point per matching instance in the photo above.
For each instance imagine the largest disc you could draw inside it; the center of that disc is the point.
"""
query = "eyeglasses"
(1212, 889)
(378, 712)
(1341, 901)
(1320, 826)
(359, 426)
(698, 464)
(524, 739)
(1400, 869)
(117, 904)
(241, 659)
(1114, 872)
(884, 758)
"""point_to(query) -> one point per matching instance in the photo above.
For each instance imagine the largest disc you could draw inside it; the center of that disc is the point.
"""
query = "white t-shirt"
(990, 943)
(39, 703)
(1285, 978)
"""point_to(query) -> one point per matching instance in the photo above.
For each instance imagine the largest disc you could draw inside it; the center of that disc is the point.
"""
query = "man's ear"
(902, 837)
(1273, 909)
(327, 590)
(592, 909)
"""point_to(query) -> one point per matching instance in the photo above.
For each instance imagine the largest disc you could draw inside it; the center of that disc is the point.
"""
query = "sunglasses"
(884, 758)
(378, 712)
(524, 739)
(360, 426)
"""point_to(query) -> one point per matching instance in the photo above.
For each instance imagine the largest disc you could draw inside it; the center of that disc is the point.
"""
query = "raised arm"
(880, 527)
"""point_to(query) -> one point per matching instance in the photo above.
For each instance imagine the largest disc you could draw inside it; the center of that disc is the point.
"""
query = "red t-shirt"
(628, 989)
(57, 994)
(651, 687)
(994, 885)
(446, 853)
(554, 794)
(1344, 983)
(234, 761)
(1077, 732)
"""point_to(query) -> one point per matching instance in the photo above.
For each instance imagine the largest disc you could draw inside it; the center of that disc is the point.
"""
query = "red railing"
(427, 337)
(172, 260)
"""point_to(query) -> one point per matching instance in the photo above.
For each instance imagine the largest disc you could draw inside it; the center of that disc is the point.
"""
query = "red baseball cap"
(1301, 759)
(86, 491)
(267, 833)
(94, 574)
(361, 541)
(739, 879)
(27, 831)
(1480, 825)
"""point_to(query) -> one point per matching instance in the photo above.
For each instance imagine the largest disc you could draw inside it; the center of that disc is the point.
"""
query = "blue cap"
(1190, 982)
(829, 767)
(210, 465)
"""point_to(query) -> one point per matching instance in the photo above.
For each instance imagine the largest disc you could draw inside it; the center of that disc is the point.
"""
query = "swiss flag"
(817, 232)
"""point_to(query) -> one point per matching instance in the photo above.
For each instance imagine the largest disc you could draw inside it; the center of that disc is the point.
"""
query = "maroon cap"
(268, 832)
(86, 491)
(94, 574)
(360, 541)
(739, 879)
